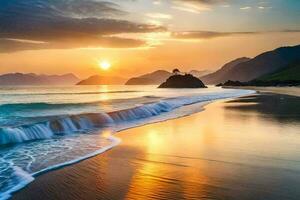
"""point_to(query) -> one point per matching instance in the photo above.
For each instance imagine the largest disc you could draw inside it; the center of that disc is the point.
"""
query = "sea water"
(44, 128)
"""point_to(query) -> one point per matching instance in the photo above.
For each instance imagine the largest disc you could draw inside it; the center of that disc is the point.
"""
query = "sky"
(140, 36)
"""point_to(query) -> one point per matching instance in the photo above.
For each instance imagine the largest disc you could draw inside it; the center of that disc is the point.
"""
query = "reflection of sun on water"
(155, 142)
(145, 182)
(161, 171)
(104, 93)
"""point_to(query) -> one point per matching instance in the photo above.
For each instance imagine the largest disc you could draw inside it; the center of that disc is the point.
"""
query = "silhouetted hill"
(288, 76)
(102, 80)
(290, 73)
(231, 83)
(200, 73)
(154, 78)
(34, 79)
(221, 75)
(262, 64)
(182, 81)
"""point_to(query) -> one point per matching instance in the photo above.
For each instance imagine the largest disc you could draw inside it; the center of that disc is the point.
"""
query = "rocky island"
(182, 81)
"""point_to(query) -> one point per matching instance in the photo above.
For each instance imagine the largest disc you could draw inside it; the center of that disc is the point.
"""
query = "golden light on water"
(105, 65)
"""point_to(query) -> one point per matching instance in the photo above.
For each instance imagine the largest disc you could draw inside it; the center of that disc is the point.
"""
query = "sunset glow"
(143, 35)
(104, 65)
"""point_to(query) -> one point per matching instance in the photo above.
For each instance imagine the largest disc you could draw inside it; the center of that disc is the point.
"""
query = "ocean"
(44, 128)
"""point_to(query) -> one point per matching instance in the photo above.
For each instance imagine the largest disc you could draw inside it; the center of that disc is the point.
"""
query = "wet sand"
(247, 148)
(294, 91)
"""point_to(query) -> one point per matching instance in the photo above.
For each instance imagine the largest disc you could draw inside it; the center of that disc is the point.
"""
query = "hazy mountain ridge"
(263, 64)
(102, 80)
(200, 73)
(159, 76)
(221, 74)
(287, 76)
(35, 79)
(154, 78)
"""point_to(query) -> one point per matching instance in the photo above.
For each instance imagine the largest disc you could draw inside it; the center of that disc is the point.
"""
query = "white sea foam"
(24, 179)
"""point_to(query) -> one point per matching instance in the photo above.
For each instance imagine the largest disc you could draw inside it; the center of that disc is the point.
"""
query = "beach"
(294, 91)
(149, 100)
(244, 148)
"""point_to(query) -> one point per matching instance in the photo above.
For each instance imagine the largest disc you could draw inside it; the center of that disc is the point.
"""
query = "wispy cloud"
(201, 35)
(191, 6)
(246, 8)
(264, 7)
(192, 35)
(159, 15)
(206, 1)
(156, 2)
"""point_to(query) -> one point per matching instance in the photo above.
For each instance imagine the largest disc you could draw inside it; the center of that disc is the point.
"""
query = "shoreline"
(293, 91)
(35, 184)
(116, 141)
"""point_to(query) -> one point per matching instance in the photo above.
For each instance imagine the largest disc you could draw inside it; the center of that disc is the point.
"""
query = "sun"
(105, 65)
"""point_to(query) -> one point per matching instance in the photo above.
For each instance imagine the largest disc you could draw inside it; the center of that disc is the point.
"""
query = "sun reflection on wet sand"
(209, 156)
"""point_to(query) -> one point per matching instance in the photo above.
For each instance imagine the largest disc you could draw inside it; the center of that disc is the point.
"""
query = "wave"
(71, 124)
(70, 93)
(13, 107)
(79, 123)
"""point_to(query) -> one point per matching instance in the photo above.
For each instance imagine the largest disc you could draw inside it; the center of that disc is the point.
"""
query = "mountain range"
(246, 69)
(159, 76)
(34, 79)
(154, 78)
(199, 73)
(102, 80)
(281, 64)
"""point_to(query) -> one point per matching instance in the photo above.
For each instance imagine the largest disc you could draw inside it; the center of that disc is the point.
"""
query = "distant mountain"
(102, 80)
(290, 73)
(201, 73)
(221, 75)
(34, 79)
(245, 70)
(154, 78)
(287, 76)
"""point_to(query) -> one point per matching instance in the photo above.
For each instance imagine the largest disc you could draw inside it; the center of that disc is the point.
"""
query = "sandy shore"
(240, 149)
(294, 91)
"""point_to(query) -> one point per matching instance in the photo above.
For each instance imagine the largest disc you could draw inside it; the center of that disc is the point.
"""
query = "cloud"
(11, 45)
(194, 35)
(202, 35)
(191, 6)
(156, 2)
(197, 6)
(65, 24)
(205, 1)
(245, 8)
(290, 31)
(88, 8)
(159, 16)
(264, 7)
